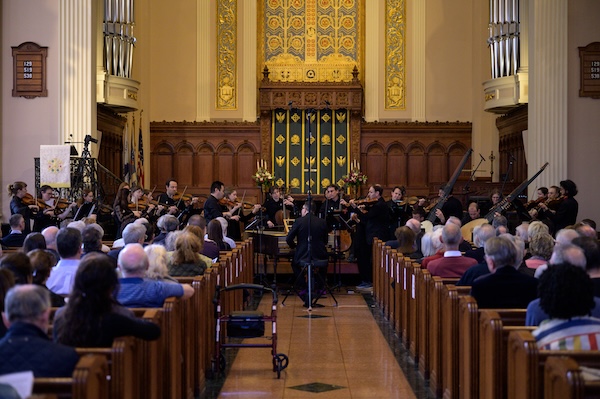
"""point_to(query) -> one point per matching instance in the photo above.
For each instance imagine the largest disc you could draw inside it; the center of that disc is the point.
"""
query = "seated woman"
(185, 260)
(540, 248)
(215, 233)
(405, 242)
(157, 263)
(92, 316)
(42, 262)
(567, 296)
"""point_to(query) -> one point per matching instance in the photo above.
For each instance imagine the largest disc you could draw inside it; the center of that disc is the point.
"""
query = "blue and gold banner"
(327, 134)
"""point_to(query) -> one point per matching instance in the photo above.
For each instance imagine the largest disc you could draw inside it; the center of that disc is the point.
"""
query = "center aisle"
(337, 351)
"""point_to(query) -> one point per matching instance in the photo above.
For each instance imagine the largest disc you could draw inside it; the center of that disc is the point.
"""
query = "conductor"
(300, 231)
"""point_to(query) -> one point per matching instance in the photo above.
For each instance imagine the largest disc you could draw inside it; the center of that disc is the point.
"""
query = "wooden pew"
(469, 342)
(526, 364)
(89, 381)
(450, 338)
(435, 336)
(423, 320)
(150, 357)
(413, 308)
(493, 337)
(124, 375)
(563, 379)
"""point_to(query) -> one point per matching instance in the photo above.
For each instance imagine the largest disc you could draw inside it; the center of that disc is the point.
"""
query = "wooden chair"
(493, 337)
(526, 364)
(563, 379)
(124, 373)
(89, 381)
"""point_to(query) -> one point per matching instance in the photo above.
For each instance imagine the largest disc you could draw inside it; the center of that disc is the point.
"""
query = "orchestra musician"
(473, 213)
(147, 208)
(400, 209)
(212, 208)
(18, 191)
(333, 204)
(566, 213)
(274, 206)
(375, 222)
(452, 207)
(87, 206)
(50, 214)
(123, 214)
(174, 204)
(236, 210)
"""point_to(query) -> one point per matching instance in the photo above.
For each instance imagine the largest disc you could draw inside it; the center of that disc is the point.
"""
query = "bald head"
(49, 234)
(414, 225)
(451, 236)
(568, 253)
(133, 261)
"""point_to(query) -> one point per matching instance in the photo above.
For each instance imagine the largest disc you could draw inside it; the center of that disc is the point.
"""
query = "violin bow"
(180, 198)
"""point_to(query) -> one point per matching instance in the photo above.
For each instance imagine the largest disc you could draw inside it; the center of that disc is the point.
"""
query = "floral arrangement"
(263, 177)
(355, 178)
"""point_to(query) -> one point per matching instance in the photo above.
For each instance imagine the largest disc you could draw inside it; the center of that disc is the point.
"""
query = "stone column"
(547, 134)
(77, 55)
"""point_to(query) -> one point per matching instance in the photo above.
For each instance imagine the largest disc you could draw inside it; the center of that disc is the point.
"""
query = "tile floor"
(348, 351)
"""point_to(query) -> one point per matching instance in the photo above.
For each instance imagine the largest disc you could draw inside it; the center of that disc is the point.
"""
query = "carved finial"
(266, 74)
(355, 74)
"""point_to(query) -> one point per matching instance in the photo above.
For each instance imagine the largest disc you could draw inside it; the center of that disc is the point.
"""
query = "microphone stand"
(511, 159)
(309, 114)
(472, 178)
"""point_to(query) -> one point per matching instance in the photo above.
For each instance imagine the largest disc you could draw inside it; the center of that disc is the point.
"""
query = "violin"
(366, 201)
(534, 203)
(29, 200)
(245, 205)
(61, 204)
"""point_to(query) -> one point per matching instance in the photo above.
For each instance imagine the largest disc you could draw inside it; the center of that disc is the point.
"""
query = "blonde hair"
(16, 186)
(157, 257)
(187, 248)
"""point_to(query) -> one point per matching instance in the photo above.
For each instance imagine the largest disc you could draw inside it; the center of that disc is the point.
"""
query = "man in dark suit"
(505, 287)
(26, 345)
(376, 224)
(16, 236)
(308, 224)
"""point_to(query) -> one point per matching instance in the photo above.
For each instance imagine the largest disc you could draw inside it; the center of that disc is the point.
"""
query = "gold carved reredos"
(311, 40)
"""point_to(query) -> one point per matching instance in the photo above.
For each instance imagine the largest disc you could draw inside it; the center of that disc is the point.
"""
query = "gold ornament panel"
(227, 54)
(395, 22)
(311, 40)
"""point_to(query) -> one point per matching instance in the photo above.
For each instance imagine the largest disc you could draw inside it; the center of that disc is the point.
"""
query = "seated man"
(68, 242)
(26, 345)
(505, 287)
(567, 296)
(452, 263)
(16, 236)
(138, 292)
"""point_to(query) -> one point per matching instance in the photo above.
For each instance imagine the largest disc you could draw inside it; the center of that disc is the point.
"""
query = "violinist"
(275, 203)
(234, 228)
(546, 210)
(87, 206)
(175, 205)
(123, 214)
(566, 214)
(52, 211)
(146, 207)
(375, 221)
(333, 202)
(22, 203)
(212, 208)
(400, 210)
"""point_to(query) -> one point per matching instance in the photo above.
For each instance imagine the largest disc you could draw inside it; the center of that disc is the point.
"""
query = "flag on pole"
(140, 164)
(126, 156)
(132, 174)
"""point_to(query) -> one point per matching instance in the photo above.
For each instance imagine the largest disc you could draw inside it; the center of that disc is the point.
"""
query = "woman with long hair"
(215, 233)
(185, 260)
(19, 197)
(92, 316)
(123, 214)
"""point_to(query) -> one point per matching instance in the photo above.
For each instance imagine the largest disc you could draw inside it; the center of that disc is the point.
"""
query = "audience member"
(33, 241)
(42, 262)
(165, 224)
(92, 317)
(91, 239)
(224, 225)
(68, 242)
(50, 234)
(505, 287)
(209, 248)
(215, 233)
(7, 281)
(567, 296)
(452, 263)
(19, 265)
(137, 291)
(185, 260)
(157, 264)
(26, 345)
(133, 233)
(540, 248)
(16, 237)
(481, 234)
(436, 245)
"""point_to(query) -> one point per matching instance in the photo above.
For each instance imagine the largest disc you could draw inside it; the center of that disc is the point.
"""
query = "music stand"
(338, 224)
(307, 270)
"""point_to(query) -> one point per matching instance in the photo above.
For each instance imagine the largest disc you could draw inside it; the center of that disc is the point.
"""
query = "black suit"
(14, 240)
(506, 288)
(566, 214)
(212, 209)
(374, 223)
(300, 232)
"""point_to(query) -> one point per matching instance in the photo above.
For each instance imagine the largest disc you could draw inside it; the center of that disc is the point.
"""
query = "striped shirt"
(578, 333)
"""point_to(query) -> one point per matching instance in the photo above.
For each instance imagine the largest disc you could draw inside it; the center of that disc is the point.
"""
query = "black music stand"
(258, 226)
(337, 224)
(306, 266)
